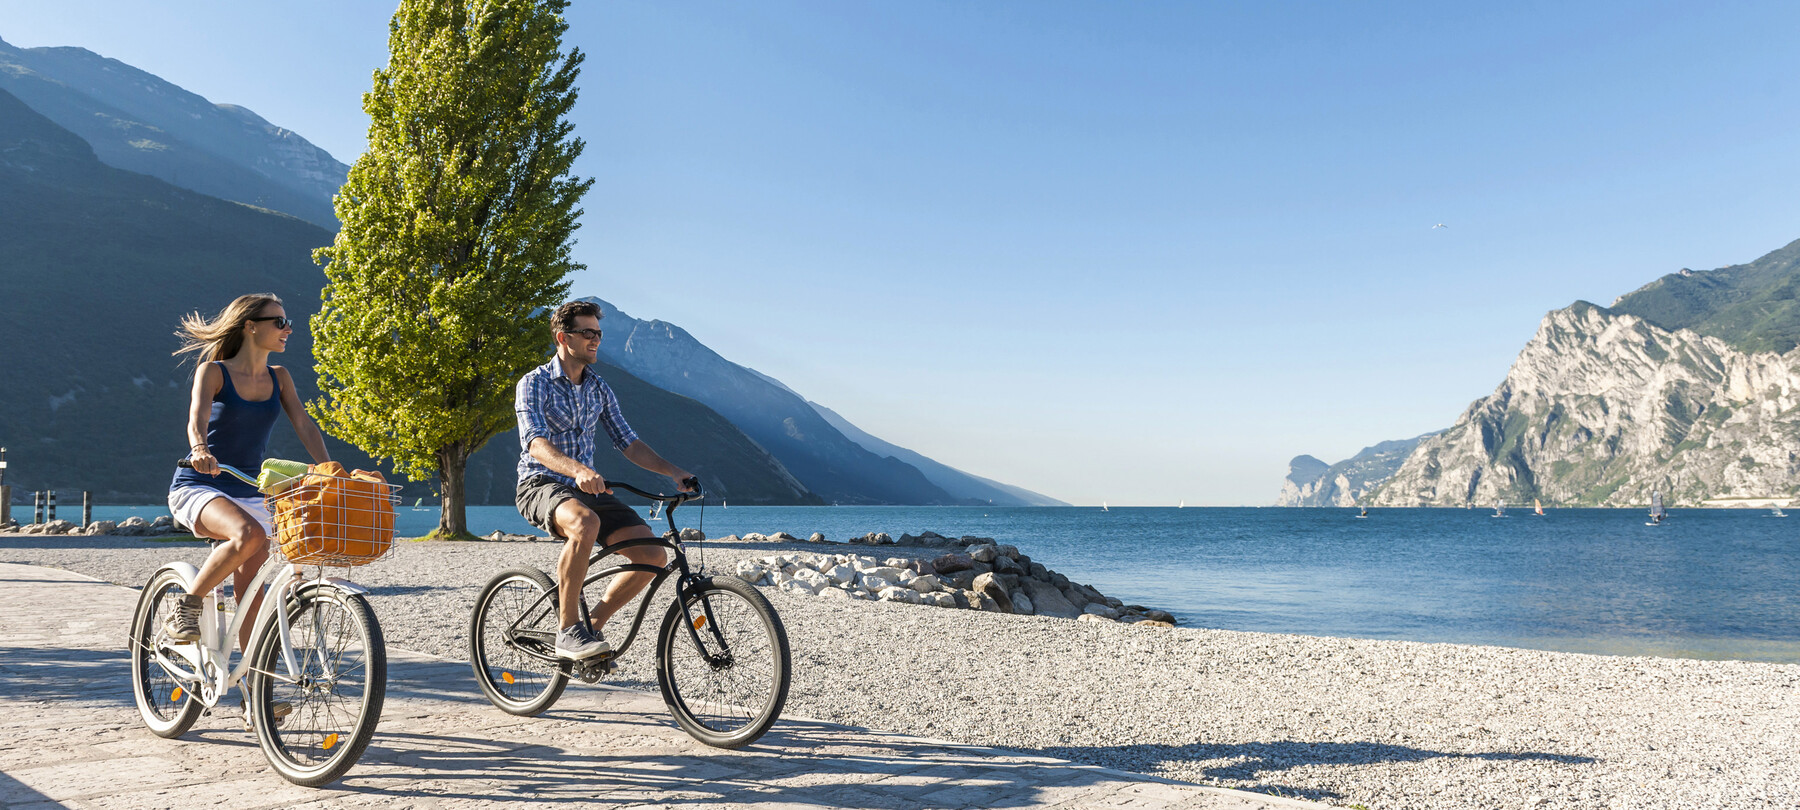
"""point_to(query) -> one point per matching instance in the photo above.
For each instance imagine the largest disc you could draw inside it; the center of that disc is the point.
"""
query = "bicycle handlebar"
(675, 500)
(188, 464)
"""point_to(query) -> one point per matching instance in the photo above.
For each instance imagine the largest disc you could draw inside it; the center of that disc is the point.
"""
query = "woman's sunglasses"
(281, 321)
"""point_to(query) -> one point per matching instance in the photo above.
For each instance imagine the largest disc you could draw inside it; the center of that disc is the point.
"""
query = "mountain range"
(819, 452)
(111, 236)
(140, 123)
(1688, 386)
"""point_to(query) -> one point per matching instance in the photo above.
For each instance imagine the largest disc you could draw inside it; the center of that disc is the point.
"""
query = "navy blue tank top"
(237, 434)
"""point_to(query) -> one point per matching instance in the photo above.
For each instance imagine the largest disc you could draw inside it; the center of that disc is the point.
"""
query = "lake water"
(1707, 584)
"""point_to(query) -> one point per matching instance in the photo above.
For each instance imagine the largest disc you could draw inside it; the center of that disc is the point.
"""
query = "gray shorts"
(538, 496)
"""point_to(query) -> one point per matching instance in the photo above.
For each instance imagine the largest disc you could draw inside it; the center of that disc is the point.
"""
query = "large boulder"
(841, 574)
(749, 571)
(60, 527)
(813, 578)
(835, 593)
(876, 582)
(1102, 610)
(983, 552)
(794, 585)
(1048, 600)
(989, 586)
(1021, 603)
(938, 599)
(1093, 617)
(952, 563)
(964, 579)
(817, 537)
(783, 537)
(100, 527)
(1160, 616)
(163, 524)
(692, 535)
(1009, 552)
(925, 583)
(896, 593)
(1005, 565)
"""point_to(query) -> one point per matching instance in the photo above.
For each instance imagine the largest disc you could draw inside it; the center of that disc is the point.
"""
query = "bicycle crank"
(593, 669)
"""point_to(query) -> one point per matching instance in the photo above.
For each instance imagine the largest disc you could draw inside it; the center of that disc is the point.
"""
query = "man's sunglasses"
(590, 334)
(281, 321)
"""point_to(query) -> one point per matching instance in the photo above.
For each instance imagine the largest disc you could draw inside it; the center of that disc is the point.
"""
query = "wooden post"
(5, 503)
(87, 507)
(52, 518)
(37, 506)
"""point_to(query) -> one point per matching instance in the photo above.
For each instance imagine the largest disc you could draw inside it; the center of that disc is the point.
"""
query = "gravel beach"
(1382, 724)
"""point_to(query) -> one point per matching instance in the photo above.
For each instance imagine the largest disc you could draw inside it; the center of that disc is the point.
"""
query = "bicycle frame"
(206, 660)
(546, 602)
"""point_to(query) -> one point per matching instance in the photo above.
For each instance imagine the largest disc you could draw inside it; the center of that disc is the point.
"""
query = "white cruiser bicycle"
(316, 672)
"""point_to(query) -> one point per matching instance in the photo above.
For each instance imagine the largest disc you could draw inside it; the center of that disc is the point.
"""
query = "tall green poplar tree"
(456, 229)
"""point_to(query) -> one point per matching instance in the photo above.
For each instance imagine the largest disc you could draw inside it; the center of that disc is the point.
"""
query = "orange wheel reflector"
(699, 622)
(506, 676)
(330, 740)
(175, 696)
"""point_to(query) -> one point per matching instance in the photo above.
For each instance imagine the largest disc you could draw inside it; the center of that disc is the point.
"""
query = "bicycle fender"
(186, 571)
(334, 582)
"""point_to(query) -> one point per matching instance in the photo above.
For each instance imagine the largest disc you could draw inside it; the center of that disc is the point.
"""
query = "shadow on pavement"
(1241, 764)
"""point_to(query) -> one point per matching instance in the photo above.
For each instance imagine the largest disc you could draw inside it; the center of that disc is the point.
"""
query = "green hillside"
(1754, 307)
(97, 265)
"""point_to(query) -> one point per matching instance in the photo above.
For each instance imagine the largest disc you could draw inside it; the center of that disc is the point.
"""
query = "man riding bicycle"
(559, 405)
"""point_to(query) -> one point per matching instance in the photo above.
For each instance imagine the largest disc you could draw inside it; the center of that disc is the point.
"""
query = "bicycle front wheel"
(316, 726)
(166, 704)
(722, 662)
(510, 615)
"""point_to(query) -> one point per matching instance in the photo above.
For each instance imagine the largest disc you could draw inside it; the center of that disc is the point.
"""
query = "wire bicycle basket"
(327, 519)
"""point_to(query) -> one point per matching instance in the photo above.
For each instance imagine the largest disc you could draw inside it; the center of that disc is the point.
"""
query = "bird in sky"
(1439, 225)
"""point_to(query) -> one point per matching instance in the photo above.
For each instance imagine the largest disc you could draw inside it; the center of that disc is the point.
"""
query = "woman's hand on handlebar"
(204, 462)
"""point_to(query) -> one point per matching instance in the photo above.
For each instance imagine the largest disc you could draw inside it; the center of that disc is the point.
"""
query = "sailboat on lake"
(1657, 513)
(1500, 509)
(1537, 507)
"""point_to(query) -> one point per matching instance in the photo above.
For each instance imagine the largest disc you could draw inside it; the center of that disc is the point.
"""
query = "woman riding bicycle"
(236, 398)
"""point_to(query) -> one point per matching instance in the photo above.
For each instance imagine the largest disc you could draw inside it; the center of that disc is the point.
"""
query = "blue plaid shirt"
(552, 406)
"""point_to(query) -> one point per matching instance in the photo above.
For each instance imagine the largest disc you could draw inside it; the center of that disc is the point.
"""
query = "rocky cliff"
(1602, 408)
(1311, 482)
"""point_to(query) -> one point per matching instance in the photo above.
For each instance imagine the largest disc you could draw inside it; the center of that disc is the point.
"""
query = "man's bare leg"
(579, 527)
(627, 585)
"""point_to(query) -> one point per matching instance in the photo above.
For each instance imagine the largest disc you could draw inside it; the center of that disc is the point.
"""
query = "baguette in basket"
(333, 517)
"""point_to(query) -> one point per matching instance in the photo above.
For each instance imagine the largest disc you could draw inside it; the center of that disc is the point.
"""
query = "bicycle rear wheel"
(509, 615)
(166, 704)
(722, 662)
(334, 706)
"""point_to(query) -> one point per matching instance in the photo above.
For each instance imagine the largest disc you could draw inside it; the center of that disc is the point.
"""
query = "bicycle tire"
(756, 669)
(514, 682)
(152, 688)
(301, 746)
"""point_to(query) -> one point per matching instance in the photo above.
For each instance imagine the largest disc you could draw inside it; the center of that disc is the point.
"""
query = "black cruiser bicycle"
(721, 652)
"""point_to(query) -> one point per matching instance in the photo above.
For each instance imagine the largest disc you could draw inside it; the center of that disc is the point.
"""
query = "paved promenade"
(73, 739)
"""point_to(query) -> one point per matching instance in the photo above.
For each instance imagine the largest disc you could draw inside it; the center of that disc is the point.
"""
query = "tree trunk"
(453, 519)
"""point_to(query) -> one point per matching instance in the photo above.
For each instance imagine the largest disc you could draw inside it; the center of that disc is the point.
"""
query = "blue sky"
(1133, 252)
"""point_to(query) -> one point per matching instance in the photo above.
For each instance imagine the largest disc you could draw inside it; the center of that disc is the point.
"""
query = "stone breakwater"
(130, 527)
(985, 576)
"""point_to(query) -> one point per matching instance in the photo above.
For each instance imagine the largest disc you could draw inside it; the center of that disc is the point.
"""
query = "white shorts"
(186, 502)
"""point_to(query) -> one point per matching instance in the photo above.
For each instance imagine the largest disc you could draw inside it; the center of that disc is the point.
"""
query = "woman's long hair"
(222, 336)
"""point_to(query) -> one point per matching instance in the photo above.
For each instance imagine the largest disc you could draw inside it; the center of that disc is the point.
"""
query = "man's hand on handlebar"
(591, 482)
(685, 480)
